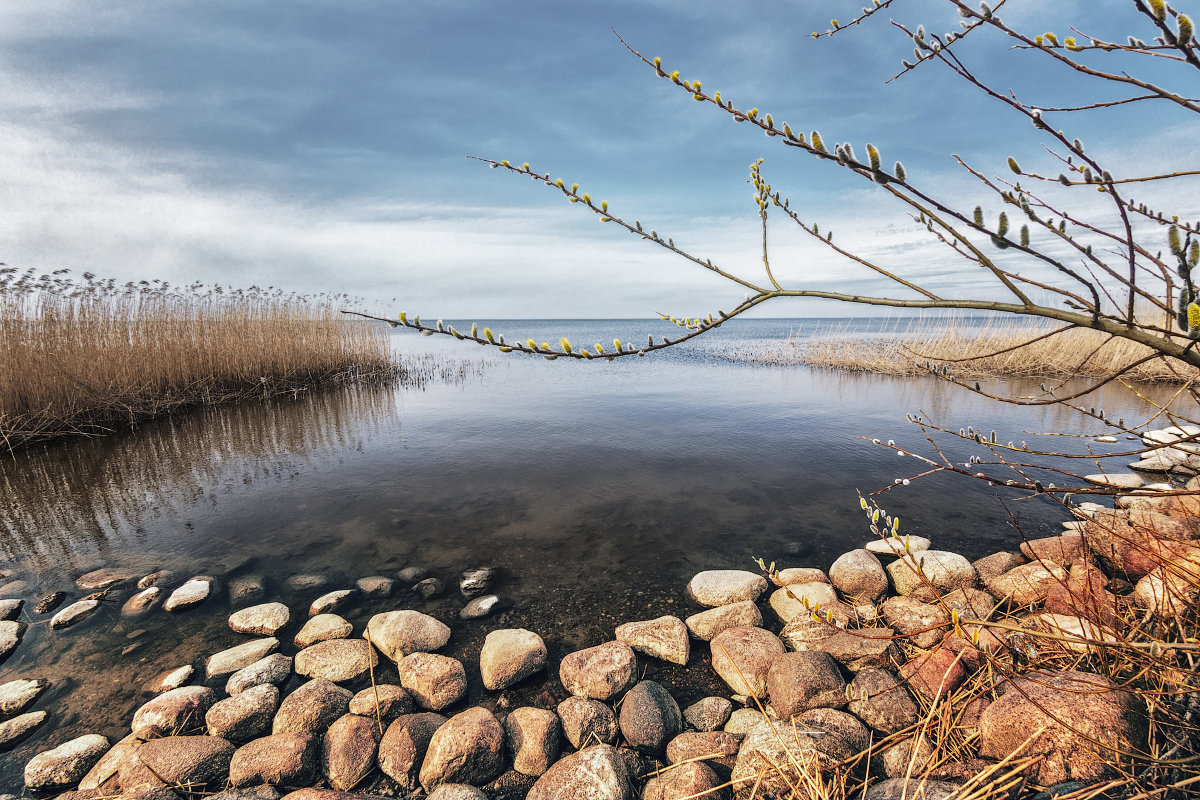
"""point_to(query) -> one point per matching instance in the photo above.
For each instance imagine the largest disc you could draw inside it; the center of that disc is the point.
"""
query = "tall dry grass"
(998, 348)
(87, 356)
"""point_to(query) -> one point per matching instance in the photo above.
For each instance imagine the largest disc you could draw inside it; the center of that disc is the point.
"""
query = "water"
(597, 488)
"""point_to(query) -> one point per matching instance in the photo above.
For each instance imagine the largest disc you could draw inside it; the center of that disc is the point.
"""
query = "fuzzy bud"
(1186, 29)
(817, 143)
(1024, 236)
(898, 170)
(1174, 241)
(1159, 9)
(979, 216)
(873, 156)
(1013, 165)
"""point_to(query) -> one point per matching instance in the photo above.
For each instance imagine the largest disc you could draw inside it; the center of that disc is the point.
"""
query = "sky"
(323, 147)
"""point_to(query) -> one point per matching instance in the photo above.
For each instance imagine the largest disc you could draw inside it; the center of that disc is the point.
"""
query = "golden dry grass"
(997, 348)
(87, 356)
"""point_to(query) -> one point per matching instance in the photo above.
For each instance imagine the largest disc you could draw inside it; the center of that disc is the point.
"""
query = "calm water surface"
(597, 488)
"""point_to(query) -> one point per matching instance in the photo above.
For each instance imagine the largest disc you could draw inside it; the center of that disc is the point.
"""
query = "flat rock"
(664, 638)
(321, 628)
(599, 673)
(1028, 583)
(509, 656)
(348, 751)
(172, 679)
(587, 722)
(246, 589)
(12, 731)
(273, 669)
(330, 602)
(10, 608)
(66, 764)
(786, 577)
(103, 578)
(859, 575)
(261, 620)
(235, 658)
(303, 582)
(708, 714)
(469, 748)
(337, 660)
(898, 545)
(934, 675)
(18, 695)
(244, 716)
(650, 718)
(311, 708)
(924, 623)
(376, 586)
(721, 587)
(192, 593)
(457, 791)
(281, 759)
(73, 614)
(155, 578)
(862, 648)
(718, 746)
(1123, 480)
(403, 746)
(434, 681)
(594, 772)
(742, 657)
(141, 602)
(399, 633)
(1063, 550)
(533, 739)
(801, 599)
(707, 624)
(480, 607)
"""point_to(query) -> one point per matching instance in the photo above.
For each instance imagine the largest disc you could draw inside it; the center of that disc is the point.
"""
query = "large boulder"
(742, 657)
(594, 772)
(467, 749)
(509, 656)
(599, 673)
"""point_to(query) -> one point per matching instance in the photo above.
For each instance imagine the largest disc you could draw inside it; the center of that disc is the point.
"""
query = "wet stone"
(429, 588)
(247, 589)
(650, 718)
(480, 607)
(478, 580)
(243, 655)
(274, 669)
(74, 614)
(304, 582)
(66, 764)
(155, 578)
(321, 628)
(18, 695)
(261, 620)
(11, 608)
(192, 593)
(141, 602)
(103, 578)
(330, 602)
(48, 603)
(173, 679)
(12, 731)
(376, 586)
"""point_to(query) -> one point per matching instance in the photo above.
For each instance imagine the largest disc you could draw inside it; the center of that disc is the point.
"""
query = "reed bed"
(88, 356)
(998, 348)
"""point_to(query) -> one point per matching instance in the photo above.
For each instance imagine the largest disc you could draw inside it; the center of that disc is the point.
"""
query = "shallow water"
(597, 488)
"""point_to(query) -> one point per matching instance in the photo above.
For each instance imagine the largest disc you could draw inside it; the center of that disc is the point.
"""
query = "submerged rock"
(74, 613)
(18, 695)
(192, 593)
(66, 764)
(261, 620)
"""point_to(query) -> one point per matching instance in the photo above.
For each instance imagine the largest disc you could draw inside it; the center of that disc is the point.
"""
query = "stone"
(14, 588)
(18, 695)
(10, 608)
(707, 624)
(141, 602)
(742, 657)
(66, 764)
(244, 716)
(196, 761)
(934, 675)
(744, 720)
(75, 613)
(104, 774)
(263, 792)
(1028, 583)
(281, 759)
(649, 718)
(971, 604)
(12, 731)
(1085, 594)
(480, 607)
(457, 791)
(916, 788)
(944, 570)
(806, 632)
(322, 628)
(376, 586)
(691, 780)
(330, 602)
(1063, 550)
(155, 578)
(859, 575)
(599, 673)
(348, 751)
(403, 746)
(1164, 593)
(797, 682)
(789, 602)
(337, 660)
(410, 574)
(235, 658)
(721, 587)
(246, 589)
(103, 578)
(509, 656)
(533, 739)
(469, 748)
(260, 620)
(664, 638)
(175, 713)
(720, 747)
(311, 708)
(383, 701)
(923, 623)
(594, 772)
(1078, 721)
(399, 633)
(879, 699)
(898, 545)
(817, 738)
(786, 577)
(304, 582)
(974, 645)
(708, 714)
(274, 669)
(587, 722)
(192, 593)
(477, 581)
(434, 681)
(995, 565)
(1075, 633)
(49, 602)
(429, 588)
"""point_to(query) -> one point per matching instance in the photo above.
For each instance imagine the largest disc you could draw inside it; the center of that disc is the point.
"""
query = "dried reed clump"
(997, 348)
(85, 356)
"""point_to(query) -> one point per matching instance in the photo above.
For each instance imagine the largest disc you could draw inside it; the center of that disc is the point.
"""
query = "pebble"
(477, 581)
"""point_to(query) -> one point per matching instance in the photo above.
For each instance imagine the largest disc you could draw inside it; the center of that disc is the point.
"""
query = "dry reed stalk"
(86, 357)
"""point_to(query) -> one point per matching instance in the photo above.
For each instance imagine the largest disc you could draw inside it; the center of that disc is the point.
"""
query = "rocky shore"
(854, 676)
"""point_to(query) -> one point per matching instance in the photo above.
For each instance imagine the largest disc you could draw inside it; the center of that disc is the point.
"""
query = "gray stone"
(434, 681)
(480, 607)
(650, 718)
(75, 613)
(155, 578)
(348, 751)
(477, 581)
(587, 722)
(594, 772)
(337, 660)
(1121, 480)
(273, 669)
(801, 599)
(11, 608)
(509, 656)
(599, 673)
(718, 746)
(665, 638)
(376, 586)
(533, 739)
(403, 746)
(457, 791)
(321, 628)
(247, 589)
(244, 716)
(104, 578)
(708, 714)
(235, 658)
(14, 730)
(281, 759)
(923, 622)
(175, 713)
(66, 764)
(707, 624)
(410, 574)
(261, 620)
(304, 582)
(721, 587)
(879, 699)
(429, 588)
(911, 789)
(399, 633)
(897, 545)
(330, 602)
(311, 708)
(192, 593)
(742, 657)
(18, 695)
(944, 570)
